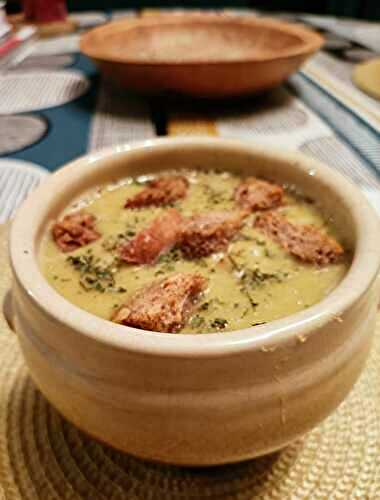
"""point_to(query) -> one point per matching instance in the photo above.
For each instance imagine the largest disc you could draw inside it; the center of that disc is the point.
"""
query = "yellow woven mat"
(44, 457)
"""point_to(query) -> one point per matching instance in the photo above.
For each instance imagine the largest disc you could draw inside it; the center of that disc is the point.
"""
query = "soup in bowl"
(199, 252)
(168, 291)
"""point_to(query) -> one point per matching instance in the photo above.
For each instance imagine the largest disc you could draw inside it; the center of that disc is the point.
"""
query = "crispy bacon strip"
(74, 231)
(161, 191)
(256, 194)
(158, 238)
(305, 242)
(164, 305)
(207, 233)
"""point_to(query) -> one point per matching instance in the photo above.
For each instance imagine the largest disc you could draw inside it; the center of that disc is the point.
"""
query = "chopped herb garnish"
(159, 272)
(219, 323)
(256, 277)
(244, 288)
(251, 301)
(204, 306)
(214, 196)
(173, 256)
(110, 243)
(197, 321)
(167, 261)
(94, 275)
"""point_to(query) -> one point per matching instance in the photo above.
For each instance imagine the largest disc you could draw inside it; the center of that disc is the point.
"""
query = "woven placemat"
(44, 457)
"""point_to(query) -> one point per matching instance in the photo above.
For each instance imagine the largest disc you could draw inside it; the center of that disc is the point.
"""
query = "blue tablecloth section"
(69, 125)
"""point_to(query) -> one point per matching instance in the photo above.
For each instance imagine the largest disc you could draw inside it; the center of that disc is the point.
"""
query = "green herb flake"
(219, 323)
(159, 272)
(109, 244)
(255, 277)
(197, 322)
(93, 274)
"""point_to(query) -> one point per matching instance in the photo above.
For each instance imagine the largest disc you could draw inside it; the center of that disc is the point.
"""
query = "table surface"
(55, 107)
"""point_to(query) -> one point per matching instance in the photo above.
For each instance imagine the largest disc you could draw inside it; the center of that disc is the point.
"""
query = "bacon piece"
(256, 194)
(161, 191)
(204, 234)
(158, 238)
(164, 305)
(303, 241)
(75, 230)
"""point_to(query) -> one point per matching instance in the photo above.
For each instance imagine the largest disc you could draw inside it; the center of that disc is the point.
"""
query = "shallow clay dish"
(196, 399)
(200, 55)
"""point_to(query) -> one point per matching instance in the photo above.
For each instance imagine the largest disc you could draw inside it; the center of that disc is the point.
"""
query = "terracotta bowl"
(196, 399)
(200, 55)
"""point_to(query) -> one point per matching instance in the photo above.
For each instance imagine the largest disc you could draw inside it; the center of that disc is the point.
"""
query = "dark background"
(360, 9)
(363, 9)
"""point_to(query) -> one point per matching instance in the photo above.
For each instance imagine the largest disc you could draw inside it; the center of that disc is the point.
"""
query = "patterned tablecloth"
(54, 107)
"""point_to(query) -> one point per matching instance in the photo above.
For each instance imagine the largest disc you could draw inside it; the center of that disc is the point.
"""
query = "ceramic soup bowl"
(196, 399)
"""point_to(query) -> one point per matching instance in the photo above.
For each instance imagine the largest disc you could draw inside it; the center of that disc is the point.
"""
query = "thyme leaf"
(94, 275)
(219, 323)
(244, 288)
(197, 321)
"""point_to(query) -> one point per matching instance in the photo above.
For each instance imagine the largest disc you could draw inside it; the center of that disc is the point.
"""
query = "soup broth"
(253, 280)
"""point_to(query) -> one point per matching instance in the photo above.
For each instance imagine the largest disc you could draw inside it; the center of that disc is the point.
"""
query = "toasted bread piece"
(160, 192)
(75, 230)
(305, 242)
(164, 305)
(254, 194)
(155, 240)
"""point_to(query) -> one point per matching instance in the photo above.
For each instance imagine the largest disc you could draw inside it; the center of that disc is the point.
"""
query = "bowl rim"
(311, 40)
(26, 230)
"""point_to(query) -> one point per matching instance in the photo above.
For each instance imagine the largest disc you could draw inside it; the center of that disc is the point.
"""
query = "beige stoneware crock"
(196, 399)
